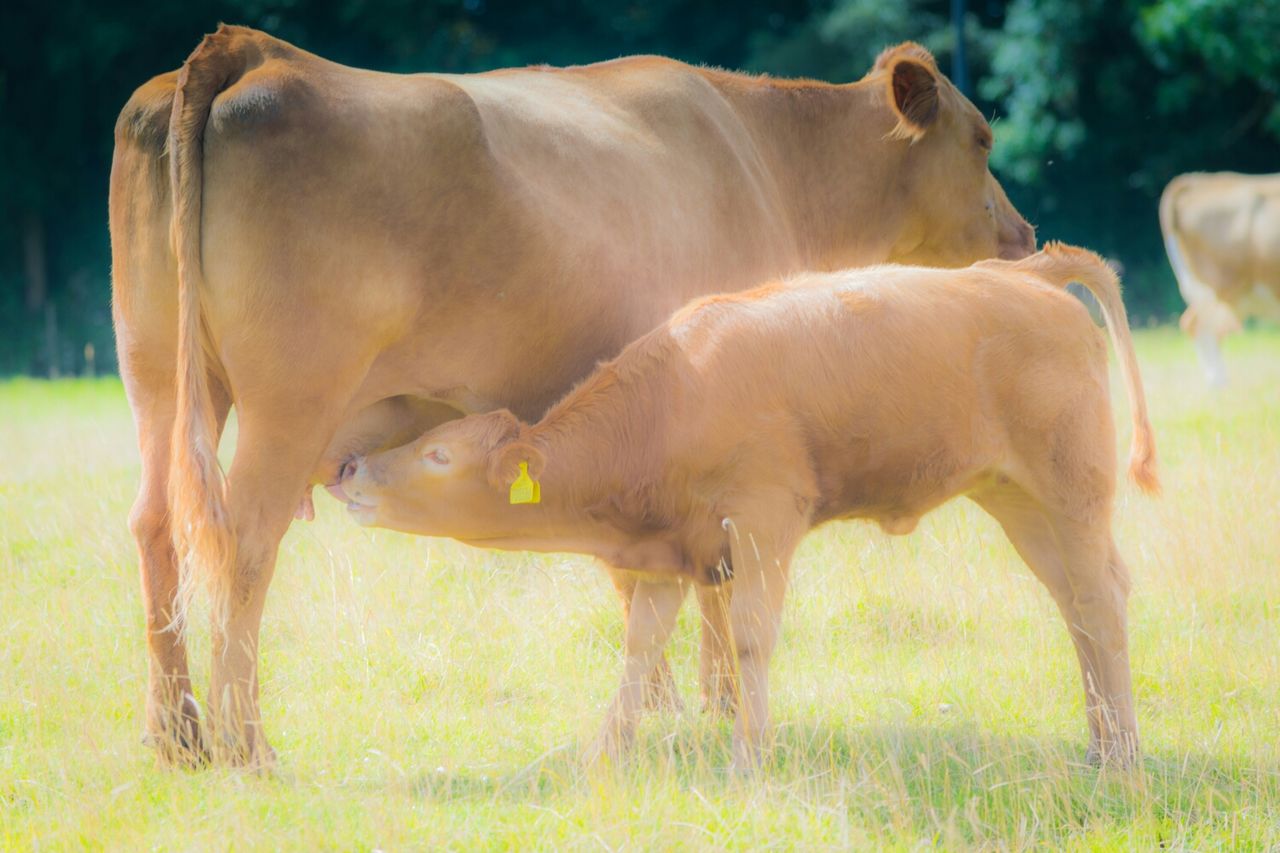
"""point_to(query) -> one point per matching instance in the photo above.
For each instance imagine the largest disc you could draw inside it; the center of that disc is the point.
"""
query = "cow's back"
(643, 148)
(594, 200)
(1228, 229)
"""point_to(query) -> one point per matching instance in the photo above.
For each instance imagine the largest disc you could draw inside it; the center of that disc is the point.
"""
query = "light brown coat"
(349, 257)
(708, 448)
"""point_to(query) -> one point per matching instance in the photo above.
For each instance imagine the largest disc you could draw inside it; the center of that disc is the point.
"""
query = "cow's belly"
(1261, 300)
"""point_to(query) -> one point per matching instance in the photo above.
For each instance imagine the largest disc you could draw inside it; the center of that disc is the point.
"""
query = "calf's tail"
(1063, 264)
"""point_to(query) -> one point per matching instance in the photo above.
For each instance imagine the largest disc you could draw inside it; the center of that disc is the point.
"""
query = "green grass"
(422, 694)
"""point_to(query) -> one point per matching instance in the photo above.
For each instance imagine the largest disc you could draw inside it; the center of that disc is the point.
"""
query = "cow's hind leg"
(1082, 571)
(282, 437)
(172, 724)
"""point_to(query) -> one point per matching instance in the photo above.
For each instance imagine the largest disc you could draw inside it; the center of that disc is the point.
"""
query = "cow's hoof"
(174, 734)
(182, 748)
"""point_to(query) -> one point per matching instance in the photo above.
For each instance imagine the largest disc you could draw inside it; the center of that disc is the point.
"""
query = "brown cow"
(1222, 233)
(349, 257)
(714, 443)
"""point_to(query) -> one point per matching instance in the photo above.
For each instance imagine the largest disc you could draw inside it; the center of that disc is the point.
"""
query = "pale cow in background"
(1222, 233)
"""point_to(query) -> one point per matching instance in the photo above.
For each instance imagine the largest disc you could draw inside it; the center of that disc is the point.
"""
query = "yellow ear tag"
(526, 490)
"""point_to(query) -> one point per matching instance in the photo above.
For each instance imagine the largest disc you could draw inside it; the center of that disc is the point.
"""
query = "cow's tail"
(203, 536)
(1064, 264)
(1173, 246)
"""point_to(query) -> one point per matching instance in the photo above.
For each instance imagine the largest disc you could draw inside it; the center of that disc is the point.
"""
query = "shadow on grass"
(919, 774)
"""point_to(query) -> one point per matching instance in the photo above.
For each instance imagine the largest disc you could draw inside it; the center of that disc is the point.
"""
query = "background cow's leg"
(650, 620)
(715, 665)
(661, 691)
(273, 462)
(1037, 539)
(172, 725)
(1209, 345)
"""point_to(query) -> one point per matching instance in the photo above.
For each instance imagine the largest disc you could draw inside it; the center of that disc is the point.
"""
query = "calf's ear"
(504, 463)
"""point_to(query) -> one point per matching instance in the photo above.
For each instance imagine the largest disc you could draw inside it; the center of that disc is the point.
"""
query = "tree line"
(1096, 104)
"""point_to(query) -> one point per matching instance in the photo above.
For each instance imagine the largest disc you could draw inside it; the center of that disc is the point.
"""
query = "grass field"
(422, 694)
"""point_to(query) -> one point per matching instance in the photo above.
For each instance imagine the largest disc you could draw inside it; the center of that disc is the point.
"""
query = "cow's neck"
(840, 175)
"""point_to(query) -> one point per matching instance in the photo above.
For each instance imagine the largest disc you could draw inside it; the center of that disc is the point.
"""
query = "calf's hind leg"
(1083, 572)
(1100, 585)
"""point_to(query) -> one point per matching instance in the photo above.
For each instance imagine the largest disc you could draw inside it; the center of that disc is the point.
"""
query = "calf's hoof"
(663, 696)
(719, 706)
(1119, 754)
(609, 748)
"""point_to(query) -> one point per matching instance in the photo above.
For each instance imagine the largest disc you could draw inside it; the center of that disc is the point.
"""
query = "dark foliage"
(1096, 105)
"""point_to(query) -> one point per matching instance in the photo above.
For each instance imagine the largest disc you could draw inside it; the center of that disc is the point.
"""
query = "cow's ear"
(913, 92)
(504, 463)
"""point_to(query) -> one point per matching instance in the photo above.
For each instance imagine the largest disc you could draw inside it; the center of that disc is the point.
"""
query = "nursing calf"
(709, 447)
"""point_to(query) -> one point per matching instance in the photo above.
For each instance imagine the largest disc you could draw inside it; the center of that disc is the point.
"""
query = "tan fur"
(354, 256)
(747, 419)
(1222, 234)
(1061, 265)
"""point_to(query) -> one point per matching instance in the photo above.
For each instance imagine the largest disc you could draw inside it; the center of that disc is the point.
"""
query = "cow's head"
(954, 211)
(452, 481)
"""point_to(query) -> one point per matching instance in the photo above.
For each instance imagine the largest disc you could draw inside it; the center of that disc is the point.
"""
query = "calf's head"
(452, 481)
(953, 210)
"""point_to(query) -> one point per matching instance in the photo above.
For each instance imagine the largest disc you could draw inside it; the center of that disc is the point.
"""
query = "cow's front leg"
(650, 620)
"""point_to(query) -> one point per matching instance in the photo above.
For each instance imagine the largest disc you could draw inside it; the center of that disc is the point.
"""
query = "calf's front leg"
(661, 692)
(650, 620)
